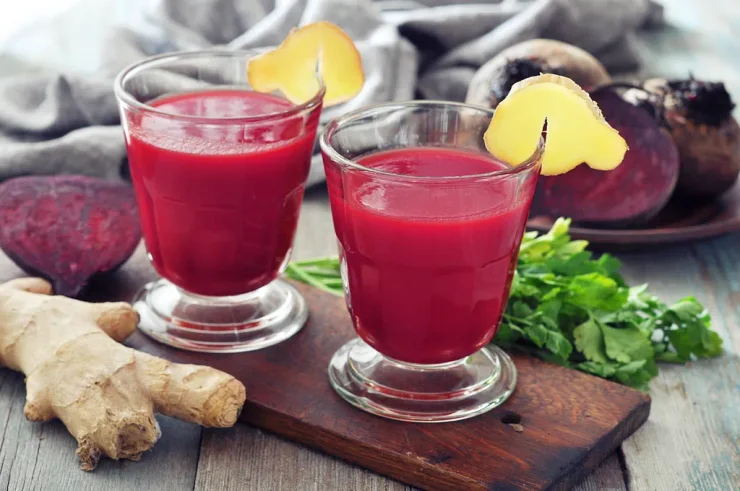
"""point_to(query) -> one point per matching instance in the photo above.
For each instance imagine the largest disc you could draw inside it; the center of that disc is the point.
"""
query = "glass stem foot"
(422, 393)
(246, 322)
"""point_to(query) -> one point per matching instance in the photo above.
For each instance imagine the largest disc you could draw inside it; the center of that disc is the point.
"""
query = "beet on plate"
(630, 194)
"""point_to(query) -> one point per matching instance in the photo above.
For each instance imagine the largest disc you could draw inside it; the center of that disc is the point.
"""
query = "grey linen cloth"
(67, 122)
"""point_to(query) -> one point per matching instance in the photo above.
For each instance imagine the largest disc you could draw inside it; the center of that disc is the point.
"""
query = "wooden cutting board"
(569, 421)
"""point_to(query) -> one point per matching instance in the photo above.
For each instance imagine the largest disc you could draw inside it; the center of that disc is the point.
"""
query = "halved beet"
(628, 195)
(68, 228)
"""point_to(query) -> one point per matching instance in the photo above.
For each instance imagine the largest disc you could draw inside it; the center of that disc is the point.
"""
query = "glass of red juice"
(429, 226)
(219, 172)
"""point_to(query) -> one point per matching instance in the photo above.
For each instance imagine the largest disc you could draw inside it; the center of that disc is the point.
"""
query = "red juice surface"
(219, 202)
(429, 263)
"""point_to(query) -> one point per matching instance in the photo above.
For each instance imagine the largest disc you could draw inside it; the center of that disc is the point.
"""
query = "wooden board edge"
(573, 474)
(425, 475)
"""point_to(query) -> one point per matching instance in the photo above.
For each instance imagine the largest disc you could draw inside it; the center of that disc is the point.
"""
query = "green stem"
(326, 262)
(333, 282)
(322, 272)
(294, 271)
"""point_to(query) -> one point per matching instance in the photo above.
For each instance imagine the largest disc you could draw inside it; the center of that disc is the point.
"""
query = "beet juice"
(219, 171)
(429, 262)
(219, 200)
(429, 226)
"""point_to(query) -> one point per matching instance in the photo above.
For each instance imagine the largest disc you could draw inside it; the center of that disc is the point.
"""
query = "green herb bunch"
(575, 310)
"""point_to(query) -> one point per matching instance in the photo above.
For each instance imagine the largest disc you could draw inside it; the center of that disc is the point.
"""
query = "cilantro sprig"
(571, 308)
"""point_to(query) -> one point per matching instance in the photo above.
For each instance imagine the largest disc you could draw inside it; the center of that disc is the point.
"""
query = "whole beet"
(698, 114)
(68, 228)
(630, 194)
(492, 82)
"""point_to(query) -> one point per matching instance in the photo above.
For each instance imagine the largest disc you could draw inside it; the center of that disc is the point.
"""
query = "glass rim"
(336, 124)
(125, 98)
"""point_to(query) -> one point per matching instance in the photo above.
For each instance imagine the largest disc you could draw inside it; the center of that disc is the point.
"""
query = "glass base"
(220, 324)
(422, 393)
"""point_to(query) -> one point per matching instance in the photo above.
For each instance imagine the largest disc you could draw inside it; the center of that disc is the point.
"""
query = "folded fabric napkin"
(67, 122)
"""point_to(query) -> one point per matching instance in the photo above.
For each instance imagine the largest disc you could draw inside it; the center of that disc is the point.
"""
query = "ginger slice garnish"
(576, 130)
(291, 68)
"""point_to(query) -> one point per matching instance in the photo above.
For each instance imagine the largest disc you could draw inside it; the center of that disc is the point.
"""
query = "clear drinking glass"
(219, 172)
(429, 227)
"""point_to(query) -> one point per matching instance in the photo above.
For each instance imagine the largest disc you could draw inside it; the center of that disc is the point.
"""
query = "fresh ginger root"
(105, 393)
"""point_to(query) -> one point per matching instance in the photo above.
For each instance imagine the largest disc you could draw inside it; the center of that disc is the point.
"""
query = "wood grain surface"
(691, 442)
(247, 458)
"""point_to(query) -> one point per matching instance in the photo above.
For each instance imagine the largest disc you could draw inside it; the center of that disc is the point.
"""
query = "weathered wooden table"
(692, 440)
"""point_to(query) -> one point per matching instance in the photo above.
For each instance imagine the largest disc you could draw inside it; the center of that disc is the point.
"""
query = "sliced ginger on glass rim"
(576, 130)
(291, 68)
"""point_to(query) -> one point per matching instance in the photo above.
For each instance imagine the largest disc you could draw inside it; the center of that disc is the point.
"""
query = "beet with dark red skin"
(493, 81)
(68, 228)
(698, 115)
(629, 195)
